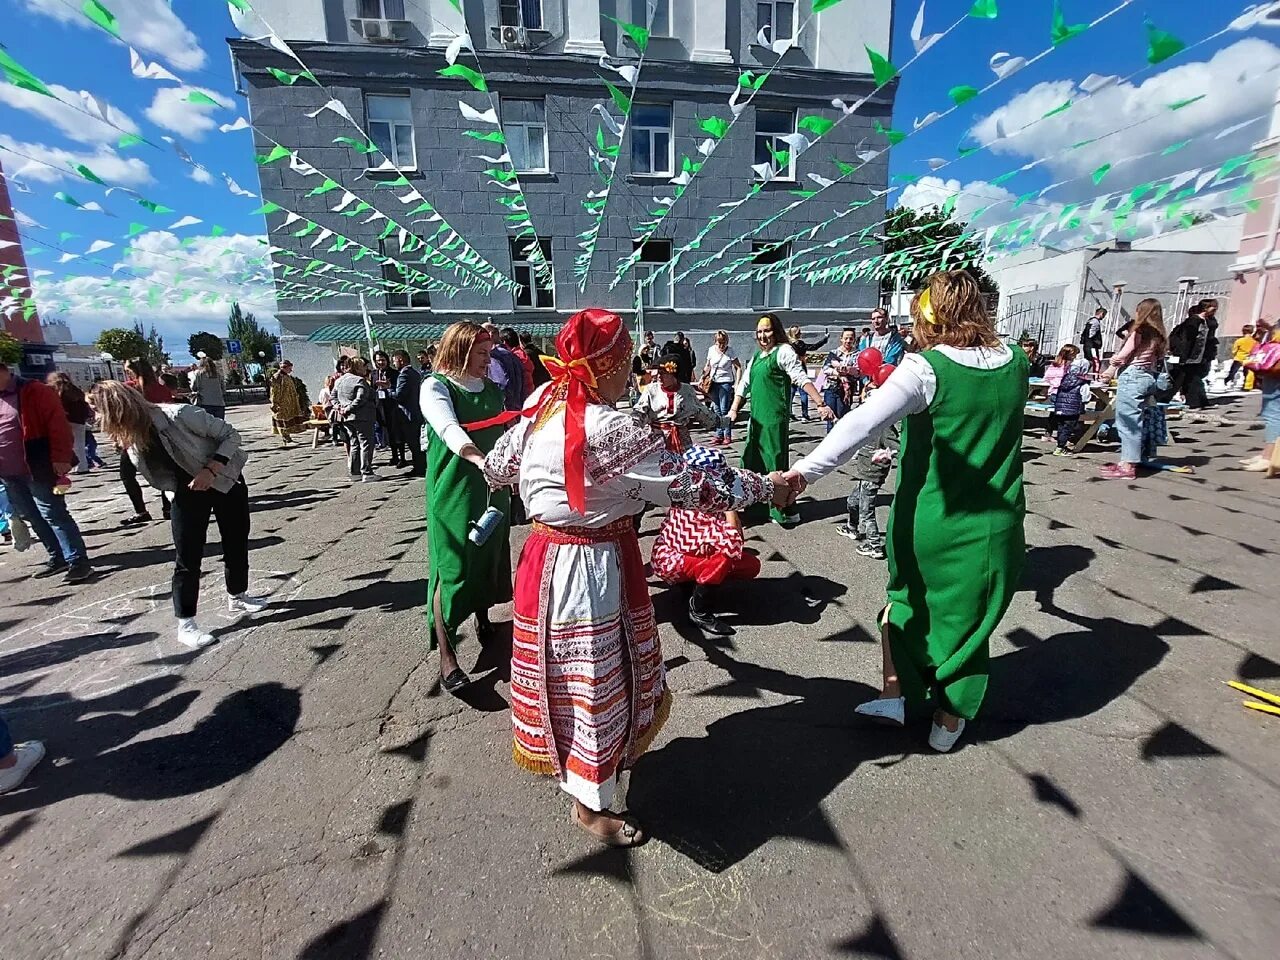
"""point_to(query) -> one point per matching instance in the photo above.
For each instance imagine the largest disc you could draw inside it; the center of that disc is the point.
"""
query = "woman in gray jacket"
(206, 388)
(199, 460)
(356, 403)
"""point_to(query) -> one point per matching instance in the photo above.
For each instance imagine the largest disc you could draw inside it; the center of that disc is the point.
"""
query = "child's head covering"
(706, 459)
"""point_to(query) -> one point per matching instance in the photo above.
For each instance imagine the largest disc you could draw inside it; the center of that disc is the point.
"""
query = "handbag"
(1265, 358)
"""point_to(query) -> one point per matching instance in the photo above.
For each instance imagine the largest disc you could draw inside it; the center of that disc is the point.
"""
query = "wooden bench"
(316, 426)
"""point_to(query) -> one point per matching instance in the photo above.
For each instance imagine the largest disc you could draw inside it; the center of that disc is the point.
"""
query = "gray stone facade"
(450, 176)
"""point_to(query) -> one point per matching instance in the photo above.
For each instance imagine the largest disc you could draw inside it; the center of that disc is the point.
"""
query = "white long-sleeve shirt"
(909, 390)
(787, 360)
(437, 408)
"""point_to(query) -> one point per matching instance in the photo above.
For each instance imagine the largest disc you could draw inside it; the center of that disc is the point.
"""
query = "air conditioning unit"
(380, 31)
(514, 38)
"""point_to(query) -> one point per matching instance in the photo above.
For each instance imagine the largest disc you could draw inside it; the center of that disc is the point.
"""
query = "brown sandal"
(629, 834)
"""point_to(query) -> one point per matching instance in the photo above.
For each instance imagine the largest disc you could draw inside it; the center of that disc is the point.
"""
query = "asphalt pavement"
(303, 789)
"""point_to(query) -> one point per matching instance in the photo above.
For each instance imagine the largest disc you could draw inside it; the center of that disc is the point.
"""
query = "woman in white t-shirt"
(721, 373)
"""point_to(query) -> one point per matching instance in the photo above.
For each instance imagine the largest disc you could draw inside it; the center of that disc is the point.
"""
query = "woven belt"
(610, 533)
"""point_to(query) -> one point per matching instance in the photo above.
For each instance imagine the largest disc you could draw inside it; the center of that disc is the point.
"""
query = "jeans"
(833, 397)
(1132, 389)
(360, 460)
(91, 450)
(214, 410)
(190, 525)
(47, 513)
(77, 444)
(1270, 408)
(721, 401)
(4, 509)
(1068, 427)
(804, 400)
(861, 503)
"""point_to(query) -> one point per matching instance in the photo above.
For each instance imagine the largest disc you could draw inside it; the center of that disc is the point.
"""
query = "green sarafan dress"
(768, 443)
(955, 539)
(471, 579)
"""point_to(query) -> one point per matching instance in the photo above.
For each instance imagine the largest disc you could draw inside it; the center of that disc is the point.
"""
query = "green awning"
(421, 332)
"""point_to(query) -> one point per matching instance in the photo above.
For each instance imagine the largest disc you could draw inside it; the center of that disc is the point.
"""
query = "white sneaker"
(28, 754)
(370, 478)
(191, 636)
(1258, 465)
(942, 739)
(884, 710)
(244, 603)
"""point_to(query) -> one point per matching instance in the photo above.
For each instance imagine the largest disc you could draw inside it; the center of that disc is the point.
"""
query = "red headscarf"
(593, 344)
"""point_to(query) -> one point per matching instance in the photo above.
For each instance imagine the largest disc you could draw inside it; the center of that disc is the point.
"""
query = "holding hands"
(787, 487)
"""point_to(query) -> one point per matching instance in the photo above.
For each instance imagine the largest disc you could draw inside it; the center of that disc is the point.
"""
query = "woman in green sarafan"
(955, 539)
(465, 414)
(767, 383)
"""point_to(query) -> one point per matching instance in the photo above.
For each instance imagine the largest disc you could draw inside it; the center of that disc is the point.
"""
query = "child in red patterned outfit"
(703, 549)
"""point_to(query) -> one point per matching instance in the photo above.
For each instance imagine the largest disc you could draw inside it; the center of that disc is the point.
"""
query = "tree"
(253, 339)
(123, 344)
(925, 234)
(207, 343)
(155, 353)
(10, 350)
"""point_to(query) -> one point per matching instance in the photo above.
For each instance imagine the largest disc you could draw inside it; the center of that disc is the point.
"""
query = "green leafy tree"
(123, 344)
(207, 343)
(926, 235)
(155, 352)
(10, 350)
(253, 339)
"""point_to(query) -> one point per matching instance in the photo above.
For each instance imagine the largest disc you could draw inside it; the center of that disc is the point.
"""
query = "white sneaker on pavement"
(884, 710)
(942, 739)
(191, 636)
(244, 603)
(28, 754)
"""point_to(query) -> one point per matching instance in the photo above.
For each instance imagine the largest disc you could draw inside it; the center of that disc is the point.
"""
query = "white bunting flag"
(473, 115)
(148, 71)
(918, 39)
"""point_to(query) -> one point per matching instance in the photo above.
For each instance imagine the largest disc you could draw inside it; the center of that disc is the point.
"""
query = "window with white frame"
(661, 26)
(520, 13)
(771, 125)
(390, 124)
(772, 291)
(524, 124)
(395, 273)
(652, 146)
(381, 9)
(778, 16)
(535, 292)
(655, 255)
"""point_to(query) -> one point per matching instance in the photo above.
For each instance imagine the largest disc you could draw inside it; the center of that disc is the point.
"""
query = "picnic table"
(1102, 411)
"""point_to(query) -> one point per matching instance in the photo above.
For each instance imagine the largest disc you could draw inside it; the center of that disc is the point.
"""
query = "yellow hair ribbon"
(926, 306)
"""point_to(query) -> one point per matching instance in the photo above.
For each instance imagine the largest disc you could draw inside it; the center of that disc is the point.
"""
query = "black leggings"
(129, 477)
(190, 524)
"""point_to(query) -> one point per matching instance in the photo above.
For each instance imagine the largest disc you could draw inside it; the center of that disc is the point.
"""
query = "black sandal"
(137, 520)
(455, 681)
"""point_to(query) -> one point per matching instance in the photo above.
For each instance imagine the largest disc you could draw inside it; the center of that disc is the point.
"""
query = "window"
(524, 124)
(382, 9)
(774, 290)
(770, 125)
(395, 273)
(391, 126)
(654, 255)
(779, 17)
(537, 293)
(661, 26)
(520, 13)
(651, 143)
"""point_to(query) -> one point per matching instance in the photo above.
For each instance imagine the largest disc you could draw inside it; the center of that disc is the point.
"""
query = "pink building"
(1257, 267)
(24, 329)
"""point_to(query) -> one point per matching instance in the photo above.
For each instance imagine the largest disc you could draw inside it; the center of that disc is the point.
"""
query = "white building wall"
(844, 29)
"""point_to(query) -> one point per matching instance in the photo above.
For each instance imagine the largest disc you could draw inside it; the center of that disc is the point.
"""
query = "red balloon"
(884, 373)
(869, 361)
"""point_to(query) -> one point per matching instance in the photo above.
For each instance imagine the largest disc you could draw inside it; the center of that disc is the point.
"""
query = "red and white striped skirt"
(588, 688)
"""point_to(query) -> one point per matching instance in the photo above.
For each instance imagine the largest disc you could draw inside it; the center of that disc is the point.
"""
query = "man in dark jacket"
(35, 450)
(509, 372)
(407, 395)
(686, 359)
(1193, 344)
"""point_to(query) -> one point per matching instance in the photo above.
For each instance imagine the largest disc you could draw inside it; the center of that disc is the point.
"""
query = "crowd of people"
(501, 433)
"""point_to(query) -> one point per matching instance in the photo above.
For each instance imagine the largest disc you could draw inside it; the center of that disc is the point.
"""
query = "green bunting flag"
(195, 96)
(984, 10)
(620, 99)
(136, 228)
(1187, 102)
(820, 5)
(88, 174)
(153, 207)
(962, 94)
(639, 35)
(715, 126)
(129, 140)
(20, 76)
(1061, 31)
(1101, 172)
(289, 79)
(277, 153)
(819, 126)
(463, 72)
(102, 17)
(1161, 45)
(881, 68)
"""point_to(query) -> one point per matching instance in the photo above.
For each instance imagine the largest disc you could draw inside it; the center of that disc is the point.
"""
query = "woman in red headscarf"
(588, 691)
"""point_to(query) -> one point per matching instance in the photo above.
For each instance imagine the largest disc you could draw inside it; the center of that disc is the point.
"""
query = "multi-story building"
(541, 63)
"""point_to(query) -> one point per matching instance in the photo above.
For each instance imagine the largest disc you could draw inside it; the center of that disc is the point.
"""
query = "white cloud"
(158, 261)
(1239, 83)
(172, 110)
(201, 175)
(934, 192)
(77, 125)
(149, 25)
(52, 164)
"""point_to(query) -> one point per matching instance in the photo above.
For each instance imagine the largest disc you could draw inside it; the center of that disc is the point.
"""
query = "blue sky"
(1239, 73)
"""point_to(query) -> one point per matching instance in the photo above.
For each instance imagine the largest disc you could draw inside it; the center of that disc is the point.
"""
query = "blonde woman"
(198, 459)
(207, 388)
(721, 373)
